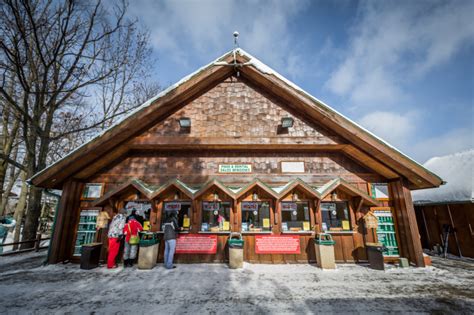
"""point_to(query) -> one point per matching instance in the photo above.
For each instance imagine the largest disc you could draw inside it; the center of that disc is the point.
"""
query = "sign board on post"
(196, 244)
(269, 244)
(235, 168)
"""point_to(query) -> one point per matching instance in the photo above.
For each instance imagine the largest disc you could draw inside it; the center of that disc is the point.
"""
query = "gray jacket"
(170, 229)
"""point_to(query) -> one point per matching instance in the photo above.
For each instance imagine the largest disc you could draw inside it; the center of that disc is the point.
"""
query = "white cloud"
(456, 140)
(184, 29)
(394, 42)
(401, 131)
(393, 127)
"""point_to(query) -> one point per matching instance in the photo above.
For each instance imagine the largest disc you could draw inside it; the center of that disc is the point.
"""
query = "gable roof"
(218, 184)
(137, 184)
(377, 152)
(257, 183)
(339, 183)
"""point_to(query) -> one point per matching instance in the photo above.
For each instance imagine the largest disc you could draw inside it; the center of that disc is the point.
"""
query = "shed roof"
(458, 171)
(110, 141)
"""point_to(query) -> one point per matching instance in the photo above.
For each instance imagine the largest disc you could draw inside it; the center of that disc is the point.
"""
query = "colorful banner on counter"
(269, 244)
(196, 244)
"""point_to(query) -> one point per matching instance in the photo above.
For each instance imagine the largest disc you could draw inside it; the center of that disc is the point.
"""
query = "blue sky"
(402, 69)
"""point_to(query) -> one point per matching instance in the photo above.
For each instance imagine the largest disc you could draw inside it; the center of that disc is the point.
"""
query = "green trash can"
(236, 251)
(148, 251)
(324, 248)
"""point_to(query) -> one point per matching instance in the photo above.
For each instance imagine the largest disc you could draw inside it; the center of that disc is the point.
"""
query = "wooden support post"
(410, 247)
(64, 227)
(38, 241)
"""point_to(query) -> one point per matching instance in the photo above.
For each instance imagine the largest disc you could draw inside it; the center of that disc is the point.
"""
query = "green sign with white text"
(235, 168)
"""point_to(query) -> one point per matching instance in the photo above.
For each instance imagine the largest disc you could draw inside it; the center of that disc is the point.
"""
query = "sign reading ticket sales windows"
(196, 244)
(268, 244)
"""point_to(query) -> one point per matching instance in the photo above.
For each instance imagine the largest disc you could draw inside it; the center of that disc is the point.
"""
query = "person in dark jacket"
(170, 229)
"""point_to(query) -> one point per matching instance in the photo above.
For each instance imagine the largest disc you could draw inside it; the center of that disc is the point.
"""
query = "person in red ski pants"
(115, 235)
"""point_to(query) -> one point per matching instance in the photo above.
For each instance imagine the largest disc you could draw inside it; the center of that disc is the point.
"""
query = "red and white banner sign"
(210, 206)
(268, 244)
(250, 206)
(288, 206)
(196, 244)
(172, 206)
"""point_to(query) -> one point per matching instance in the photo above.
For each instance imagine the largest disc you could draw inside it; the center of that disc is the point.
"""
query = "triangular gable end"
(298, 183)
(177, 184)
(137, 184)
(257, 183)
(339, 183)
(252, 70)
(216, 183)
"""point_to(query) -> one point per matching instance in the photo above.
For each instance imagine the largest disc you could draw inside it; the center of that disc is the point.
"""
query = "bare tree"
(60, 53)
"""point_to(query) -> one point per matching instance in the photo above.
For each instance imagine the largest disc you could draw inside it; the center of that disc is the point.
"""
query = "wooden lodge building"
(235, 147)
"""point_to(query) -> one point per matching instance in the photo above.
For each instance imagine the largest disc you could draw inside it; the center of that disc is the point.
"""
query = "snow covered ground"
(28, 287)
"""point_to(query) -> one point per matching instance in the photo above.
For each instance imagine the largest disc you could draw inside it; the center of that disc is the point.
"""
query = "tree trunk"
(33, 213)
(20, 209)
(12, 177)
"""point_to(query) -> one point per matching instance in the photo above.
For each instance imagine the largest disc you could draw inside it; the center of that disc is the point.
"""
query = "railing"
(36, 247)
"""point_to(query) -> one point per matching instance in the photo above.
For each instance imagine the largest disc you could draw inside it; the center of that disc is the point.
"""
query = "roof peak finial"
(236, 41)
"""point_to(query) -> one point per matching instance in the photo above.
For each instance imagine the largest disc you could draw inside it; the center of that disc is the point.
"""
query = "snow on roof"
(252, 62)
(266, 69)
(458, 171)
(279, 189)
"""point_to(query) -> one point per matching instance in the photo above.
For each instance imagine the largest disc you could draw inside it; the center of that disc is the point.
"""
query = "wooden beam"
(64, 227)
(369, 162)
(400, 197)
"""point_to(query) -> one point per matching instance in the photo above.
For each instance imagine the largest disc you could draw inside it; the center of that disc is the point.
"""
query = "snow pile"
(458, 171)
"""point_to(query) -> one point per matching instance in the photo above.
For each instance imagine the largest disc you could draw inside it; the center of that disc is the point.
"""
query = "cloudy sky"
(402, 69)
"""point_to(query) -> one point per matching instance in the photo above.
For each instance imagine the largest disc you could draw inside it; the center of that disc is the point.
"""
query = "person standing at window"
(115, 235)
(131, 230)
(170, 228)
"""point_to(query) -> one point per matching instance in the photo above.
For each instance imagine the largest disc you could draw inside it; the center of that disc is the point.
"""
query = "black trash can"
(90, 255)
(375, 255)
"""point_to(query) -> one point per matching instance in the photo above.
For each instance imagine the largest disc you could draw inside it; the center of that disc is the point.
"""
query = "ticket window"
(255, 216)
(142, 211)
(184, 213)
(295, 216)
(335, 216)
(215, 216)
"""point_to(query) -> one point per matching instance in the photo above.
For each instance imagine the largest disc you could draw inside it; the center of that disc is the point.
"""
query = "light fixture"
(185, 122)
(176, 195)
(287, 122)
(216, 196)
(334, 196)
(254, 196)
(294, 197)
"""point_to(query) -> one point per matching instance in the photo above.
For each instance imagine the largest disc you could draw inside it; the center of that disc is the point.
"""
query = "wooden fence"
(37, 245)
